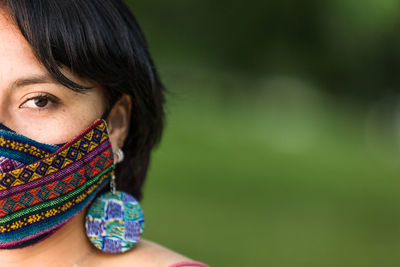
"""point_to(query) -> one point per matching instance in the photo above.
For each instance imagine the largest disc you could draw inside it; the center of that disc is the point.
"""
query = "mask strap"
(114, 99)
(107, 112)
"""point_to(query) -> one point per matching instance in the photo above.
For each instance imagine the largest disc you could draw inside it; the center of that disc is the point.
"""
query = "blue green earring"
(115, 220)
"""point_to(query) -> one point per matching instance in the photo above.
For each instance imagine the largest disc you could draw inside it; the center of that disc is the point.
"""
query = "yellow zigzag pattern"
(34, 166)
(26, 148)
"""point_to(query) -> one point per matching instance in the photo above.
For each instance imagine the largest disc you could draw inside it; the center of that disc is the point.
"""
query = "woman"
(63, 66)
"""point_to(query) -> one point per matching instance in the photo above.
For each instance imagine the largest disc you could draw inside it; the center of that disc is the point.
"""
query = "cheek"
(57, 130)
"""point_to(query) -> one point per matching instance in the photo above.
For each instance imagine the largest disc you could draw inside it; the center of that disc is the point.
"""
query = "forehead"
(16, 55)
(17, 58)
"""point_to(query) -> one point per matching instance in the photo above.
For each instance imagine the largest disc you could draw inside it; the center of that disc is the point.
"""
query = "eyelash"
(52, 100)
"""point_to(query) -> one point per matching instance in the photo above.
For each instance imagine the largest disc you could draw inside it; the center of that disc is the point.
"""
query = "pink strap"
(189, 263)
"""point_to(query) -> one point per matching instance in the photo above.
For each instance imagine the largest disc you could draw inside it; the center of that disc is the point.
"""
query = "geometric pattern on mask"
(71, 177)
(57, 161)
(48, 213)
(56, 188)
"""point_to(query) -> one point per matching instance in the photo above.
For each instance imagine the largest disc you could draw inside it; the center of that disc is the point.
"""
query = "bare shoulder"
(146, 253)
(156, 254)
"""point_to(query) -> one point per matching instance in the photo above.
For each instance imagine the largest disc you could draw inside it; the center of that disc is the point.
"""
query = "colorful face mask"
(44, 186)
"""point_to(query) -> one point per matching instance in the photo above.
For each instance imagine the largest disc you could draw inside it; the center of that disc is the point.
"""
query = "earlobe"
(118, 121)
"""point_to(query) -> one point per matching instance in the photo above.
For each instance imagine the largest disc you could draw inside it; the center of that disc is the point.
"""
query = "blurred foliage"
(348, 47)
(282, 139)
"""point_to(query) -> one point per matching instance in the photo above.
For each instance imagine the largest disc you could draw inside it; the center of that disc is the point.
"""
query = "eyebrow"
(37, 79)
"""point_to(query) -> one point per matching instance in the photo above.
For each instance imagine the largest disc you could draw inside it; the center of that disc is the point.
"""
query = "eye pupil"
(41, 102)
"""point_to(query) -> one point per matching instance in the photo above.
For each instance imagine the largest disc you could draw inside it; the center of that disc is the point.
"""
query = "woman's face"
(32, 103)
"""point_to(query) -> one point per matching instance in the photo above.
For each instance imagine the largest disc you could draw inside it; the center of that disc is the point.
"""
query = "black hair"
(102, 41)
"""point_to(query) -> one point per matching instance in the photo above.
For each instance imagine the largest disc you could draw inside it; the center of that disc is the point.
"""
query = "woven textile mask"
(44, 186)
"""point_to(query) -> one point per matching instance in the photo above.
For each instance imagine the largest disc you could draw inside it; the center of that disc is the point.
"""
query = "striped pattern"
(42, 196)
(64, 157)
(23, 149)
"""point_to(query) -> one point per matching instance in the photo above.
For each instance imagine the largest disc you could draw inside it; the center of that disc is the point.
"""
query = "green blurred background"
(283, 135)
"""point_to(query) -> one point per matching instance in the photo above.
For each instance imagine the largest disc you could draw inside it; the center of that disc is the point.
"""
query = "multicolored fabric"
(53, 185)
(7, 165)
(115, 222)
(22, 149)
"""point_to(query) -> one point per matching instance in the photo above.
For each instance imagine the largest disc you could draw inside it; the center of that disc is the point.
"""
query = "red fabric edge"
(189, 263)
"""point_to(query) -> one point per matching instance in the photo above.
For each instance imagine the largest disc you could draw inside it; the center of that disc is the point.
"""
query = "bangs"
(91, 38)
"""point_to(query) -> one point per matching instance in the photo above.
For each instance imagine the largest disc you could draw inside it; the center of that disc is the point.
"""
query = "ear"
(118, 122)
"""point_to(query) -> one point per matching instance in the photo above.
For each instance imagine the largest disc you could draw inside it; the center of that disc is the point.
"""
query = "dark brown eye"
(41, 102)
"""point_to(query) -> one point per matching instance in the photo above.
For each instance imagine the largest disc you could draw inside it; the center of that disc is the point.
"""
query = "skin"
(48, 112)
